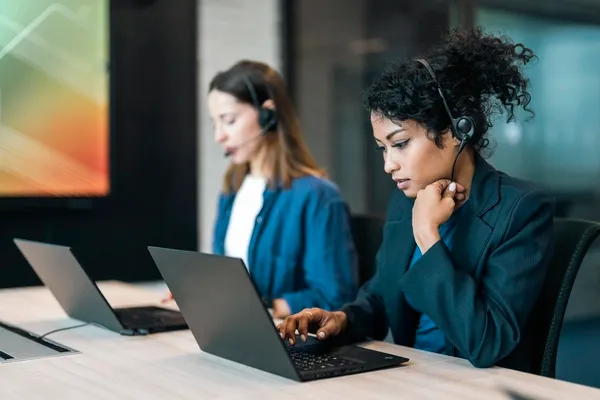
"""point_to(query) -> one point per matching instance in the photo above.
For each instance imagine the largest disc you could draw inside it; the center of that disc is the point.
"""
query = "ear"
(450, 138)
(269, 103)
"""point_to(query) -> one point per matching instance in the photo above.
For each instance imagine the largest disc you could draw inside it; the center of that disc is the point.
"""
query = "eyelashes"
(398, 145)
(401, 145)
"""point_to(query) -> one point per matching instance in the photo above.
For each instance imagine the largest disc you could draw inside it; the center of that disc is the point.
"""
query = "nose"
(389, 163)
(220, 135)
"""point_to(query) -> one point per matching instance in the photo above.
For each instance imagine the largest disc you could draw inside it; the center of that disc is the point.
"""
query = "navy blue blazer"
(301, 249)
(481, 292)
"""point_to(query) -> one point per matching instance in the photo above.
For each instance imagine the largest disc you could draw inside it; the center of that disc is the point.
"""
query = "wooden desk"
(171, 366)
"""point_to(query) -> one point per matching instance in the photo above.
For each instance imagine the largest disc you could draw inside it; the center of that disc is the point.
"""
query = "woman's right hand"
(329, 324)
(168, 297)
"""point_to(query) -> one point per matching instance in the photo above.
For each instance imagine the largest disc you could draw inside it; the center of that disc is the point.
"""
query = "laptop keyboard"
(139, 320)
(307, 361)
(146, 318)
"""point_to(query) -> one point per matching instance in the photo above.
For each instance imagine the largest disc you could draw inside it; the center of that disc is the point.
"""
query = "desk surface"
(170, 365)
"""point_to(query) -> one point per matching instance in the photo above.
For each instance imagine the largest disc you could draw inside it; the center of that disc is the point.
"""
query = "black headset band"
(437, 86)
(454, 123)
(267, 116)
(252, 91)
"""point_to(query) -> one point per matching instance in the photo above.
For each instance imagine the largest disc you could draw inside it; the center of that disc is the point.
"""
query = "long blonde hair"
(286, 155)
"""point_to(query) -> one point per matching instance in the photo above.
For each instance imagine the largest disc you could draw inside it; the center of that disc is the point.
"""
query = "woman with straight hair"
(277, 210)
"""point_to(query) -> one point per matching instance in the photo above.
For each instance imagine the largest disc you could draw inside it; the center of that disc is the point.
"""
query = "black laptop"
(58, 268)
(227, 317)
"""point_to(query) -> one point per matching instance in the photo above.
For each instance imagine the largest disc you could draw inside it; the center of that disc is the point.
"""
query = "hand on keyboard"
(329, 324)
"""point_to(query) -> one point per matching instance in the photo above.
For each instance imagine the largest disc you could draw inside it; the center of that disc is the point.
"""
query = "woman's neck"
(465, 170)
(257, 166)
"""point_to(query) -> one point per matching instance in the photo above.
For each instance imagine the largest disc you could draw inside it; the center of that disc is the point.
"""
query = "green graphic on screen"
(54, 90)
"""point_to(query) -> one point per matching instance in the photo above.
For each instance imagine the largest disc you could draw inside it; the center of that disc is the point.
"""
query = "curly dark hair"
(480, 76)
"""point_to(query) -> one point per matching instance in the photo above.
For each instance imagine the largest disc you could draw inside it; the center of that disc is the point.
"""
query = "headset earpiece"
(464, 128)
(267, 118)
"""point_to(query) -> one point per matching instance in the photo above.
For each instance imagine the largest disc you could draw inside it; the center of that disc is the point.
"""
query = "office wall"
(329, 42)
(154, 142)
(338, 47)
(229, 30)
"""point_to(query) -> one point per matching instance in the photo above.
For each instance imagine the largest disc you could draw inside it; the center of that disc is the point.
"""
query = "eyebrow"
(394, 132)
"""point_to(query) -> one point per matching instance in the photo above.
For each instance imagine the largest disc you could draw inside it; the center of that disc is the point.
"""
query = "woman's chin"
(409, 192)
(239, 159)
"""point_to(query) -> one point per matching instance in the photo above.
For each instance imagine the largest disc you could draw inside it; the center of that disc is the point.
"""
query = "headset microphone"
(262, 133)
(244, 143)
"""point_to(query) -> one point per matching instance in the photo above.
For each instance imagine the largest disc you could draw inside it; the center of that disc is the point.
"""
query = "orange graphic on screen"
(54, 129)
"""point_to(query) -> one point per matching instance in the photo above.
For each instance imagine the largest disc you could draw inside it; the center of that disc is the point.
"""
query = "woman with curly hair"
(466, 248)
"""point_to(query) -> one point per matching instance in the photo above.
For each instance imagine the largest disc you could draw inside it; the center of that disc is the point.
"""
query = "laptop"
(228, 319)
(58, 268)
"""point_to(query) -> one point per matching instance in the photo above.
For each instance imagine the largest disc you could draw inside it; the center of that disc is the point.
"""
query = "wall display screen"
(54, 98)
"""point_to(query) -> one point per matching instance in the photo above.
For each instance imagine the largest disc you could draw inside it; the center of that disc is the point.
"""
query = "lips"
(402, 183)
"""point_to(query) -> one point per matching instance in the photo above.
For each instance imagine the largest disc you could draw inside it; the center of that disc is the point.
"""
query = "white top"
(246, 206)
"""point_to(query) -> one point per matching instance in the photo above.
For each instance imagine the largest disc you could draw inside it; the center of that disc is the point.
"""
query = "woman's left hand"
(281, 308)
(433, 206)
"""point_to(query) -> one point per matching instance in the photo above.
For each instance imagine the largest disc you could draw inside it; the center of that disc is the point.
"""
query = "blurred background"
(108, 98)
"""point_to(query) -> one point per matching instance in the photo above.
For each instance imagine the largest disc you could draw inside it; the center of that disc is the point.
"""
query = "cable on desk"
(63, 329)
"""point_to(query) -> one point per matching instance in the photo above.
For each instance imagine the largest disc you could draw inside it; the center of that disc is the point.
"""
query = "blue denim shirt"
(301, 248)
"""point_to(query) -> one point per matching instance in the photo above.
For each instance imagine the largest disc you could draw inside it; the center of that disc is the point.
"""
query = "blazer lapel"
(399, 240)
(472, 232)
(469, 241)
(398, 252)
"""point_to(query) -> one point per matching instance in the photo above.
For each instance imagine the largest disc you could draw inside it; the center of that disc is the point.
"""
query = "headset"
(267, 118)
(462, 127)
